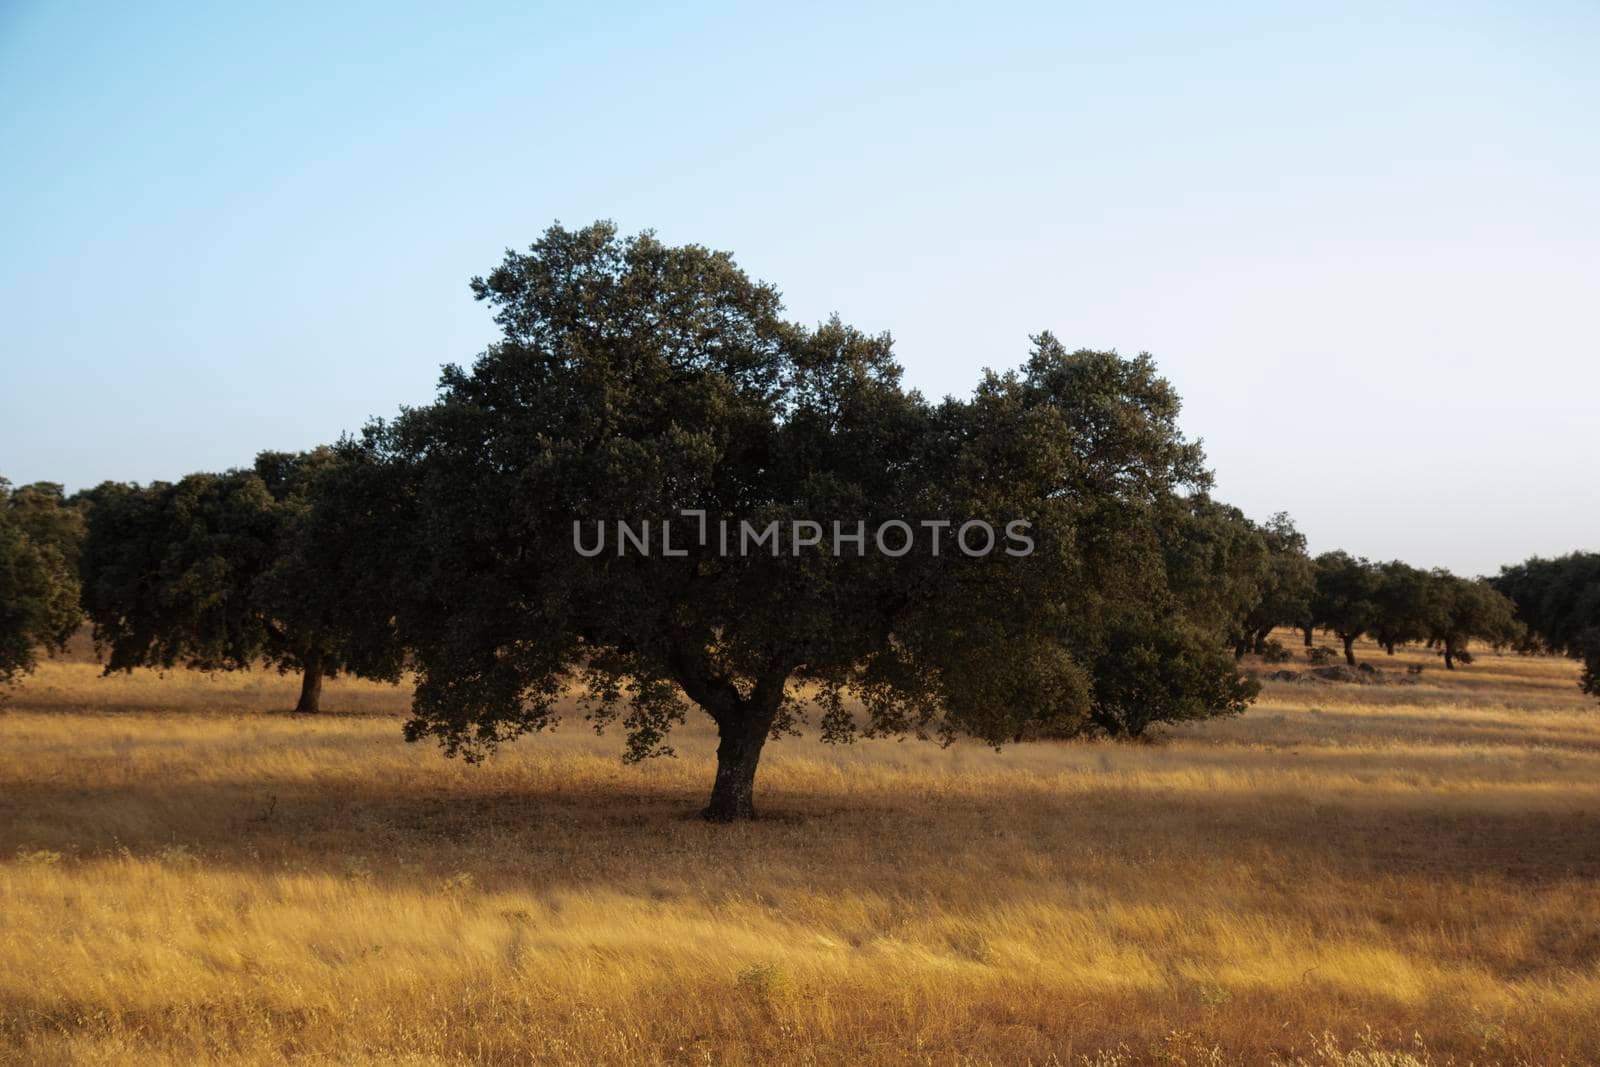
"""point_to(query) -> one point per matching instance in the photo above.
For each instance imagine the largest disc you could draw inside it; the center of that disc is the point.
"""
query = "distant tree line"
(1397, 604)
(635, 380)
(1276, 584)
(277, 564)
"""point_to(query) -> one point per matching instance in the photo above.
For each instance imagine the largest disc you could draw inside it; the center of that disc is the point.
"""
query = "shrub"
(765, 981)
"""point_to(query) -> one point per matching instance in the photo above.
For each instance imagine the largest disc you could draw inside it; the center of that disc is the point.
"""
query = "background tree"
(1344, 599)
(1287, 582)
(227, 571)
(1401, 605)
(1217, 559)
(324, 600)
(39, 539)
(1460, 609)
(634, 380)
(1558, 601)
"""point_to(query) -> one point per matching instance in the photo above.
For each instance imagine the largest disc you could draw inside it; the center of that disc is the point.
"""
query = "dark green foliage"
(1460, 609)
(1345, 598)
(325, 598)
(1396, 603)
(1166, 670)
(1289, 582)
(39, 539)
(634, 380)
(1218, 562)
(1283, 583)
(167, 570)
(1401, 603)
(224, 571)
(1558, 601)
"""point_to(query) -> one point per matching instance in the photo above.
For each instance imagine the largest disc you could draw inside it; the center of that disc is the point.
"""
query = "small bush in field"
(1320, 655)
(1274, 652)
(765, 981)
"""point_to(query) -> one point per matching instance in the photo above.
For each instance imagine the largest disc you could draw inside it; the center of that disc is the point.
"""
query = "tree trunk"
(743, 722)
(1261, 642)
(1307, 629)
(1239, 649)
(1350, 651)
(311, 686)
(738, 754)
(1449, 655)
(1389, 647)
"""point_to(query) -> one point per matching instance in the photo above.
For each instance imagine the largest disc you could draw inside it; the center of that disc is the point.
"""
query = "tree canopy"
(1460, 609)
(39, 540)
(1401, 605)
(1558, 601)
(227, 571)
(1277, 585)
(660, 389)
(1345, 598)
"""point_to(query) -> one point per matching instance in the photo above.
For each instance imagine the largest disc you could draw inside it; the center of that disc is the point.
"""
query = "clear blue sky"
(1363, 240)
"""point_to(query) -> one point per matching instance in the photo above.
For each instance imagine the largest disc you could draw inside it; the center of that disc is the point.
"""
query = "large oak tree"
(635, 381)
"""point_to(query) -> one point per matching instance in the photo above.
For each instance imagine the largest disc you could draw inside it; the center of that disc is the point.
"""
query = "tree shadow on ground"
(601, 834)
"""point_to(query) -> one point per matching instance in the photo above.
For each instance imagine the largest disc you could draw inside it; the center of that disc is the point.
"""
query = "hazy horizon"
(1361, 243)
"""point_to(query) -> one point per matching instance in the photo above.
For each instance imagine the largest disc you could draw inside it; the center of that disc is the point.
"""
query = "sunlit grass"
(1347, 874)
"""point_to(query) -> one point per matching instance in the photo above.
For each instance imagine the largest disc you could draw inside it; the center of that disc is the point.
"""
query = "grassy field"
(1357, 874)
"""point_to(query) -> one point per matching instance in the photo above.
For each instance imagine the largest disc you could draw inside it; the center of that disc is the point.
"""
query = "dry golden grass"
(1347, 874)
